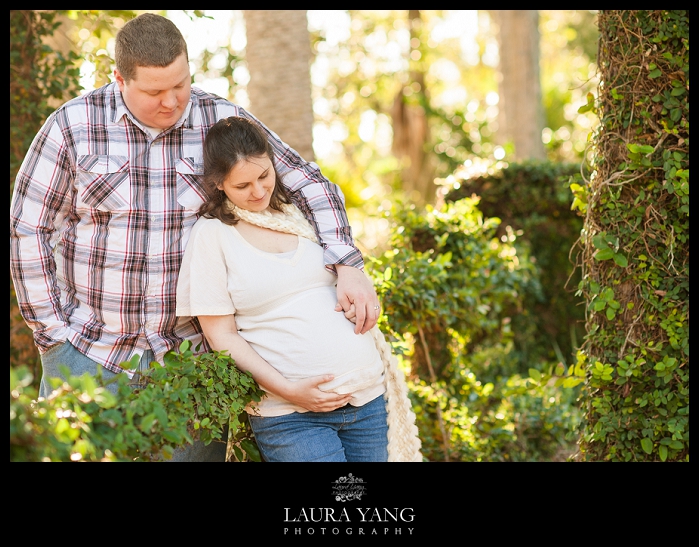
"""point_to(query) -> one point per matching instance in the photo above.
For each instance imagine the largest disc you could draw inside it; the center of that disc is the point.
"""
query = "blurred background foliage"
(364, 59)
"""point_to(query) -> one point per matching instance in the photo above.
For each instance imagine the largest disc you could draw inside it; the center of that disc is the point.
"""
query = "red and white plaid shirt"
(101, 214)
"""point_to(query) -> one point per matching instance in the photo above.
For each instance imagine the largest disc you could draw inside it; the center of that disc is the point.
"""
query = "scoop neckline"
(276, 256)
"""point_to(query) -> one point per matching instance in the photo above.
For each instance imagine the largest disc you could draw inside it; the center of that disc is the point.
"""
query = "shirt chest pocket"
(190, 189)
(103, 183)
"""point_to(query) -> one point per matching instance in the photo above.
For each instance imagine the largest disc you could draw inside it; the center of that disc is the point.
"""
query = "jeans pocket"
(54, 349)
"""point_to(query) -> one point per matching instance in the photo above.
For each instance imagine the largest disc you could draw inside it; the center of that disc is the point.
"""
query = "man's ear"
(119, 80)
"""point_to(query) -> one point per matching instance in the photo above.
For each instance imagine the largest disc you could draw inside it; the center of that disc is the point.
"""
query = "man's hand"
(355, 288)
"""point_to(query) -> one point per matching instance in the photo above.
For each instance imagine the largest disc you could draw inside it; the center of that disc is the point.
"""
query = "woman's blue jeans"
(348, 434)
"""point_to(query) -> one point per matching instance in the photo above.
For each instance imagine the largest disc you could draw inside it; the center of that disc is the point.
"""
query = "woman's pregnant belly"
(305, 337)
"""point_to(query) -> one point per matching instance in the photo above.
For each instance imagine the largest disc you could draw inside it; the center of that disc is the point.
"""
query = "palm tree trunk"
(521, 110)
(278, 55)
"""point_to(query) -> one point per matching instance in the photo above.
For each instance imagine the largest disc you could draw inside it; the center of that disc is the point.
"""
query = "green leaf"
(640, 148)
(676, 445)
(160, 414)
(147, 422)
(599, 305)
(600, 241)
(604, 254)
(535, 375)
(620, 260)
(647, 445)
(133, 362)
(251, 449)
(170, 436)
(663, 452)
(655, 73)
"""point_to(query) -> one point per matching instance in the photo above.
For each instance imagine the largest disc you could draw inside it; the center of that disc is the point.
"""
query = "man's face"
(158, 96)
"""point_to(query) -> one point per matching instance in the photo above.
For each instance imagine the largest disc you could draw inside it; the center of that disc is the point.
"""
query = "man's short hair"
(147, 40)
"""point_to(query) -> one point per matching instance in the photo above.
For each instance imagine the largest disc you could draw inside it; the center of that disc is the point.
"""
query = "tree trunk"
(635, 243)
(521, 111)
(278, 55)
(410, 128)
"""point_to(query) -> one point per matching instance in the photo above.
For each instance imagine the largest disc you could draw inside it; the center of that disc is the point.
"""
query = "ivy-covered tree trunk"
(635, 244)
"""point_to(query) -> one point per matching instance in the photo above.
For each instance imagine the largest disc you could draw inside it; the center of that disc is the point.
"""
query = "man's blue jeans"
(348, 434)
(79, 364)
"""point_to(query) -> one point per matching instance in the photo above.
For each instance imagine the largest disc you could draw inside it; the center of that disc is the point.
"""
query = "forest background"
(465, 142)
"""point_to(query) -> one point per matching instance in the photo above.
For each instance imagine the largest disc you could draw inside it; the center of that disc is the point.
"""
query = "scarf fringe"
(403, 441)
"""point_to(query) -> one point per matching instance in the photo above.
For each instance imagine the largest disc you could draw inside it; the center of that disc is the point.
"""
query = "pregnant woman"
(253, 274)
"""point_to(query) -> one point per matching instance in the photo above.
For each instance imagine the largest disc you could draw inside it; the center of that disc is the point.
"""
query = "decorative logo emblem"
(348, 488)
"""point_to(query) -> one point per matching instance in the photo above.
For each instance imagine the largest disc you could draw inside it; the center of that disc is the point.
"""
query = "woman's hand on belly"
(306, 394)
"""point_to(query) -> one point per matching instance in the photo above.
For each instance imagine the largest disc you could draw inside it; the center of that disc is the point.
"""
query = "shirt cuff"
(342, 254)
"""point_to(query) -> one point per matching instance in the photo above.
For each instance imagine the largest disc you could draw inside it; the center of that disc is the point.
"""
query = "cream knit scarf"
(403, 441)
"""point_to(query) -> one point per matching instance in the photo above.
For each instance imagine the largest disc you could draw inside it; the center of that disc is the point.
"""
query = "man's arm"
(37, 207)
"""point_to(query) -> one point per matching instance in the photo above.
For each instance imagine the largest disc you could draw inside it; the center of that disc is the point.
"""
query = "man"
(104, 202)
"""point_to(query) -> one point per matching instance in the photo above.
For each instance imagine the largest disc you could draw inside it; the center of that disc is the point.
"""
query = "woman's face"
(250, 183)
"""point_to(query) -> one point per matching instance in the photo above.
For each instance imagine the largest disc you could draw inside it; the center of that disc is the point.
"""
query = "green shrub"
(446, 270)
(512, 420)
(450, 288)
(533, 199)
(190, 397)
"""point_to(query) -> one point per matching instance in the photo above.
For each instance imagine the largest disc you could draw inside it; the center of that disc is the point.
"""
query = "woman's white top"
(284, 306)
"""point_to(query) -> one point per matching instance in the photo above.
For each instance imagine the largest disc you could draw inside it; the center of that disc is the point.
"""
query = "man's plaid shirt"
(101, 214)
